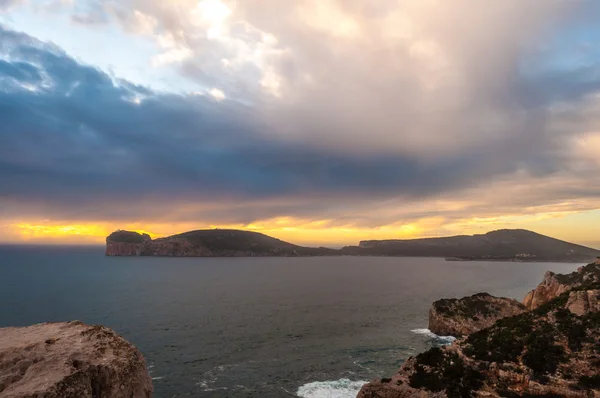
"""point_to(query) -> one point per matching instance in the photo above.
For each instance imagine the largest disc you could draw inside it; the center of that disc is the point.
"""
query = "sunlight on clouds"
(295, 230)
(318, 232)
(173, 50)
(271, 81)
(328, 16)
(587, 146)
(172, 56)
(329, 232)
(143, 24)
(211, 15)
(68, 233)
(79, 233)
(58, 230)
(217, 94)
(428, 82)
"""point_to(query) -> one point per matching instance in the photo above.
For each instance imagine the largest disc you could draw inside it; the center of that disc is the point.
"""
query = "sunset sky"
(314, 121)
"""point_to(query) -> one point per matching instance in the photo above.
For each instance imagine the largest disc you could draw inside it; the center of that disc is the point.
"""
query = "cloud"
(91, 14)
(354, 112)
(348, 67)
(74, 135)
(8, 4)
(217, 94)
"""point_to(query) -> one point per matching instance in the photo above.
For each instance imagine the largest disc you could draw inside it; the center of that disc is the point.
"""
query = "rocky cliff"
(207, 243)
(551, 351)
(70, 360)
(460, 317)
(126, 243)
(554, 285)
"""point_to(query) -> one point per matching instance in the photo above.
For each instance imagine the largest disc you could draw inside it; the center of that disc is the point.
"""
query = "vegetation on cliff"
(551, 351)
(505, 244)
(459, 317)
(127, 237)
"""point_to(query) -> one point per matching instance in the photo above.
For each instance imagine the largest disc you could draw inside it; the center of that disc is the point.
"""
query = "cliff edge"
(550, 351)
(70, 360)
(460, 317)
(554, 285)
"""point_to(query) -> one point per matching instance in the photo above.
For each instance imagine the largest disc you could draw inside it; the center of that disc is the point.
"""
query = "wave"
(441, 340)
(342, 388)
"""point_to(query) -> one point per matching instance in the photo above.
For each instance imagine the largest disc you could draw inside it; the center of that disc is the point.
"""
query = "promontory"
(551, 350)
(502, 245)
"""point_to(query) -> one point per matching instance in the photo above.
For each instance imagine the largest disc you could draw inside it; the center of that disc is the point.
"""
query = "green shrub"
(543, 356)
(448, 372)
(590, 381)
(502, 342)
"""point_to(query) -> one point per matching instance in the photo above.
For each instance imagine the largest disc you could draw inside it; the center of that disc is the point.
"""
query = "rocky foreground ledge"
(549, 351)
(70, 360)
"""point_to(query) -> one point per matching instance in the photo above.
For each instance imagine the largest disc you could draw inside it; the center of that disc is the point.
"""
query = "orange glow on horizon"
(565, 225)
(72, 233)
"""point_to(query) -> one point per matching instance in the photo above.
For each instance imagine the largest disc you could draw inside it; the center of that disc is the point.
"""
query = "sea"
(313, 327)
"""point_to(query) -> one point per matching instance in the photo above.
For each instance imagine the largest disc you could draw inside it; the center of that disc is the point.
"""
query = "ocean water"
(253, 327)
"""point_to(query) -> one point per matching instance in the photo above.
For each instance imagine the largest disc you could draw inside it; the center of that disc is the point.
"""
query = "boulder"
(460, 317)
(70, 360)
(584, 301)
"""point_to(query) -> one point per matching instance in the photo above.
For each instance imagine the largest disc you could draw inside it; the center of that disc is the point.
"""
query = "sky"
(315, 121)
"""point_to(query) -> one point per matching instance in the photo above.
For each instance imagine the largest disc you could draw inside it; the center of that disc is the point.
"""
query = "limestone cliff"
(551, 351)
(206, 243)
(126, 243)
(460, 317)
(70, 360)
(554, 285)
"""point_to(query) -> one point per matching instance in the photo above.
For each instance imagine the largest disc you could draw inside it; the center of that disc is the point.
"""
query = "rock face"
(460, 317)
(584, 301)
(207, 243)
(554, 285)
(551, 351)
(70, 360)
(126, 243)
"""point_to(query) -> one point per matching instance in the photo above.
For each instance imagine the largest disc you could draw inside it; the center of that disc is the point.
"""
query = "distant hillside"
(502, 245)
(207, 243)
(505, 244)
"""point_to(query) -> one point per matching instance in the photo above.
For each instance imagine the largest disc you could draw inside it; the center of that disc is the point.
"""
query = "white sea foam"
(445, 340)
(158, 377)
(342, 388)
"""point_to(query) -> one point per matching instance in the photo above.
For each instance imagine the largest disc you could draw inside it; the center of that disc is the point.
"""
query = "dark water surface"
(260, 327)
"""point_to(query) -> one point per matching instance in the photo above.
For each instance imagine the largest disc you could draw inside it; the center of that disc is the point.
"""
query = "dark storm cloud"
(72, 137)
